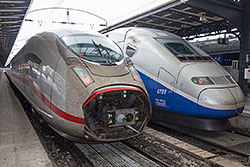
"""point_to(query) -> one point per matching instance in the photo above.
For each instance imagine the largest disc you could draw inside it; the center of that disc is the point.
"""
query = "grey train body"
(79, 97)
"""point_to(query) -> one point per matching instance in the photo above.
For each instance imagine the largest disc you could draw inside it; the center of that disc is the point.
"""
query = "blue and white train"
(186, 86)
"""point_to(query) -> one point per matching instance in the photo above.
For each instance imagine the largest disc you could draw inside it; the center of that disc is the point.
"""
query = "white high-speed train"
(186, 86)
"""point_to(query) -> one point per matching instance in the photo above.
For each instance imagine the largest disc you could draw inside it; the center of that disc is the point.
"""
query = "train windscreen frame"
(182, 50)
(94, 48)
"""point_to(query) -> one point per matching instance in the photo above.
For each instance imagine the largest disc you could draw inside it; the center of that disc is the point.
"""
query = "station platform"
(243, 121)
(19, 143)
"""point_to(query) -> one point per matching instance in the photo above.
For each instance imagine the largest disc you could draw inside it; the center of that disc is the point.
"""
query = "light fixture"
(11, 10)
(12, 1)
(10, 17)
(12, 26)
(8, 30)
(203, 17)
(11, 22)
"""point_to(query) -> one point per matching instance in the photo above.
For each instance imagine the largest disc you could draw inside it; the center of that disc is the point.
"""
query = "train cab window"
(130, 51)
(182, 50)
(93, 48)
(177, 47)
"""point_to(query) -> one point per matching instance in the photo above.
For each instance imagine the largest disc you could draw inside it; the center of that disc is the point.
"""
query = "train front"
(218, 95)
(115, 103)
(209, 91)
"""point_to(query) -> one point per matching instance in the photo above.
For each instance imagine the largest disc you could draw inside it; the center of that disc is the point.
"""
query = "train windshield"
(94, 48)
(182, 50)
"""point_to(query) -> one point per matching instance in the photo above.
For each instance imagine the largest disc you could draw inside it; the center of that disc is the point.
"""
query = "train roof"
(61, 33)
(65, 32)
(155, 33)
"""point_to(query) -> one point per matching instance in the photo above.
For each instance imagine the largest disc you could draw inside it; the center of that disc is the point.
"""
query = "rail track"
(226, 140)
(117, 154)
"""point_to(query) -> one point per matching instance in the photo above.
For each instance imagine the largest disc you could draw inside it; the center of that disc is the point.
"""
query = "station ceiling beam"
(181, 17)
(12, 13)
(228, 9)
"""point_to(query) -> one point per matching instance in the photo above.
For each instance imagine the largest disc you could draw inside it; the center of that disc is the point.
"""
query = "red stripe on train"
(25, 81)
(56, 110)
(108, 90)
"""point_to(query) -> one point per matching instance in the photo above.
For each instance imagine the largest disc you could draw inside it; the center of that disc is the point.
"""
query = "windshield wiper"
(97, 46)
(109, 56)
(108, 59)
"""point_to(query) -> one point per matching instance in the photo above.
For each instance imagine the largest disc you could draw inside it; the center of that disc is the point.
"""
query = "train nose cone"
(239, 98)
(220, 102)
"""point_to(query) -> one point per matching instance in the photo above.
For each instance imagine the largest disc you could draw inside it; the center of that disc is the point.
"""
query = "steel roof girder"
(221, 8)
(205, 28)
(12, 13)
(178, 21)
(141, 16)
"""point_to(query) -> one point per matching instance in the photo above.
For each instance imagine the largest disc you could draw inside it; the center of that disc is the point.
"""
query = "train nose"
(220, 102)
(120, 111)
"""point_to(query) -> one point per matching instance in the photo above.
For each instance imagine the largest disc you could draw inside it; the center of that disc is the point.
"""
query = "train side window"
(130, 51)
(33, 58)
(32, 62)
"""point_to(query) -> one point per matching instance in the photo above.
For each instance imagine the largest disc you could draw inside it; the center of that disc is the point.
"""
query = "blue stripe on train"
(165, 98)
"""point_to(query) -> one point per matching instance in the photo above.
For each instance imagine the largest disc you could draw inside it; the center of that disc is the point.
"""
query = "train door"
(165, 90)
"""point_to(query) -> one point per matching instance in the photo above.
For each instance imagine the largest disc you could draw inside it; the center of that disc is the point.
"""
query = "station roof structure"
(181, 17)
(12, 13)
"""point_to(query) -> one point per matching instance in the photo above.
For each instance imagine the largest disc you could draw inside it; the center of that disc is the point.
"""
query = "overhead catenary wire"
(135, 10)
(58, 5)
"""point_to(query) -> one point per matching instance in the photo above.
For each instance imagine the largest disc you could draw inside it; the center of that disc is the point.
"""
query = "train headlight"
(100, 96)
(134, 73)
(202, 81)
(84, 75)
(124, 94)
